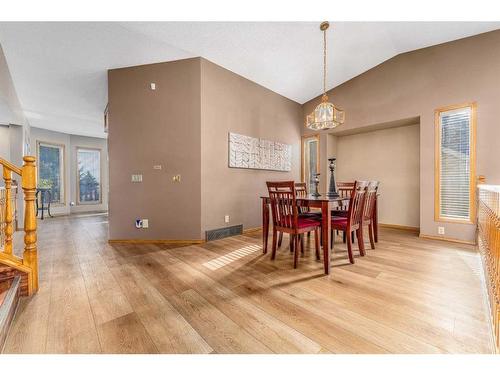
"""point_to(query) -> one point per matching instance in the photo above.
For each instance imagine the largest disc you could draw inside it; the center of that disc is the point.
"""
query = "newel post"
(9, 229)
(30, 257)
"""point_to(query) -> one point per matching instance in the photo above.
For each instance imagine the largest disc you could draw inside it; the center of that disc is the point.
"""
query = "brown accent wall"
(231, 103)
(414, 84)
(147, 128)
(183, 125)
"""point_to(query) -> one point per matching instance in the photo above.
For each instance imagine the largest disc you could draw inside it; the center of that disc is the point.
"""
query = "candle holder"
(332, 191)
(316, 183)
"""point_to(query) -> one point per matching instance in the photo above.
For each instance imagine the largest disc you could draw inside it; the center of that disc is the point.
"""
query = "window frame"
(62, 146)
(302, 155)
(472, 161)
(78, 202)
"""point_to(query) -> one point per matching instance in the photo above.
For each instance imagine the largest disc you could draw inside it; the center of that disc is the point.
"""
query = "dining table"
(326, 204)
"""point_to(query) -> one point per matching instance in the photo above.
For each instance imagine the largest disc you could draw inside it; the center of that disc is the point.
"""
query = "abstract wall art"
(255, 153)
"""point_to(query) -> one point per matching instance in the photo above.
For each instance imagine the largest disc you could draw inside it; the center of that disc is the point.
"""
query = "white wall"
(4, 142)
(70, 143)
(390, 156)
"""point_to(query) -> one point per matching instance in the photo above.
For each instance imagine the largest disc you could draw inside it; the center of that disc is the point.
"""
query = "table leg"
(36, 202)
(48, 205)
(325, 227)
(265, 225)
(41, 197)
(375, 220)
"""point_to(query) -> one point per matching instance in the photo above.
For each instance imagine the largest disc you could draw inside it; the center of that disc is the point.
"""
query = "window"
(310, 159)
(51, 170)
(455, 163)
(89, 175)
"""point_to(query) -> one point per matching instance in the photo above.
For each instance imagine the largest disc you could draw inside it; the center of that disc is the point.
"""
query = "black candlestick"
(332, 191)
(316, 183)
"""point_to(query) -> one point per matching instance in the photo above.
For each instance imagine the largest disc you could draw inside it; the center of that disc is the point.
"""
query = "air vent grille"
(217, 234)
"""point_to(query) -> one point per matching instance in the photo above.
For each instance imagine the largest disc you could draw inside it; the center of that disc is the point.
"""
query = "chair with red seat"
(369, 210)
(354, 220)
(344, 190)
(304, 211)
(286, 218)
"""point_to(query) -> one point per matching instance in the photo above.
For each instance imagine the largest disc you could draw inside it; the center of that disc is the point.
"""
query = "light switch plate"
(137, 178)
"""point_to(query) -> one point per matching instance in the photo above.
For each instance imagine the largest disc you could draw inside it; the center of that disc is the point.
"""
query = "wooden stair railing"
(28, 264)
(489, 247)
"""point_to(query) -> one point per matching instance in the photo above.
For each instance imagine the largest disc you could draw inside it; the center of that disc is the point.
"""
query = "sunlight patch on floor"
(231, 257)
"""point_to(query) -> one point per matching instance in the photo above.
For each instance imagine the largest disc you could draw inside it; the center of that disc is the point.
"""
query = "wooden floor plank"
(271, 331)
(125, 335)
(217, 329)
(409, 295)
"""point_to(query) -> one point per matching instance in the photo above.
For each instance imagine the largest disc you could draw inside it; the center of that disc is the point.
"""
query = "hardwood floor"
(410, 295)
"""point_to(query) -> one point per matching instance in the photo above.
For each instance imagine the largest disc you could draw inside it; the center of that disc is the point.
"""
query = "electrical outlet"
(145, 223)
(226, 219)
(152, 85)
(137, 178)
(440, 230)
(176, 178)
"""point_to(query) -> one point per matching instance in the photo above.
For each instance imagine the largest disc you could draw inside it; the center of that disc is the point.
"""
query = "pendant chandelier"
(326, 115)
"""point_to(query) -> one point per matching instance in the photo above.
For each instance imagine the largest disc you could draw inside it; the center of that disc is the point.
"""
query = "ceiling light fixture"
(325, 115)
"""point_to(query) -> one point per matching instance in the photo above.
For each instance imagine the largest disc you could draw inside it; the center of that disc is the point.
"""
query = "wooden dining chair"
(345, 189)
(286, 218)
(304, 211)
(354, 220)
(369, 210)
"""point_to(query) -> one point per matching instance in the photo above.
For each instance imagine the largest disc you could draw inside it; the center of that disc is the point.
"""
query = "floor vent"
(217, 234)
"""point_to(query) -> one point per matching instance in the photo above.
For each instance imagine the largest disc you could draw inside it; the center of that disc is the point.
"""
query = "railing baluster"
(9, 229)
(30, 249)
(489, 246)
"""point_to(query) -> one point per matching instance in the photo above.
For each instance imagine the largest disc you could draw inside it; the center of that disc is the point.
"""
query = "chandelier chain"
(324, 62)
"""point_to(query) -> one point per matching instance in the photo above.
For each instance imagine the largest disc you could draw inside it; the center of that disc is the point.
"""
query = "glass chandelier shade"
(326, 115)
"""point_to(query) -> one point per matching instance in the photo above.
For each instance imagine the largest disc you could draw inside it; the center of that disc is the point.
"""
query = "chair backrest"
(345, 189)
(301, 189)
(301, 192)
(357, 202)
(371, 196)
(283, 204)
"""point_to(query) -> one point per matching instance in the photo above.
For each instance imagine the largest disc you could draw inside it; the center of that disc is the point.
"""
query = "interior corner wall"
(416, 83)
(231, 103)
(390, 156)
(149, 128)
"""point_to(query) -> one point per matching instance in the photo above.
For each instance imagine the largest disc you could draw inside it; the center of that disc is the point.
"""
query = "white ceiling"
(59, 69)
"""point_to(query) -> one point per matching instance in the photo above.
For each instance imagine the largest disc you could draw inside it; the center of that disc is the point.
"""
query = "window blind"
(455, 164)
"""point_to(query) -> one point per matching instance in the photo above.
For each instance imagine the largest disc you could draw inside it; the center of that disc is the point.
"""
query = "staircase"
(18, 275)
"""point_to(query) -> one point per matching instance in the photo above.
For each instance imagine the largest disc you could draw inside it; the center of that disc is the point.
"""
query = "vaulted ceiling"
(59, 69)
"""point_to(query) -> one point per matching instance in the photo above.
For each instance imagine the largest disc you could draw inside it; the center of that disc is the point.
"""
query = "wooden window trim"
(78, 203)
(437, 163)
(62, 203)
